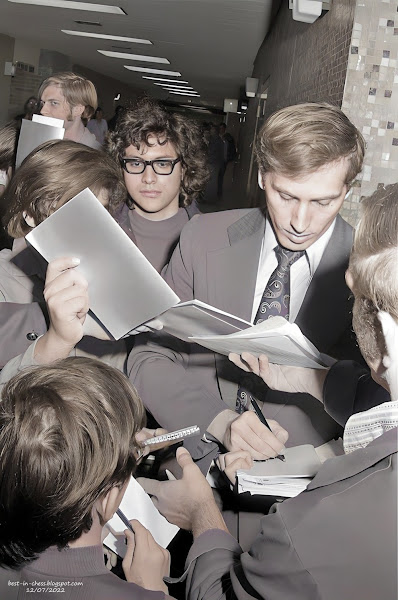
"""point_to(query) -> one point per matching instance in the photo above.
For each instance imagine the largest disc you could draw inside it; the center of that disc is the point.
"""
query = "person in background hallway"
(308, 156)
(113, 120)
(337, 539)
(71, 98)
(68, 448)
(98, 126)
(30, 107)
(215, 153)
(229, 153)
(48, 178)
(162, 157)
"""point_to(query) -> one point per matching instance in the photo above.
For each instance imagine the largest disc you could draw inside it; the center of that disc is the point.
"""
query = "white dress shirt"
(301, 272)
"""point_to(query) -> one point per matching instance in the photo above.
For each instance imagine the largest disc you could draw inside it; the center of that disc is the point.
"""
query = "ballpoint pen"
(125, 520)
(263, 421)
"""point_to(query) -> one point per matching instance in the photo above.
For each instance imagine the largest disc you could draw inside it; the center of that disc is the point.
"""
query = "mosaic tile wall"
(371, 96)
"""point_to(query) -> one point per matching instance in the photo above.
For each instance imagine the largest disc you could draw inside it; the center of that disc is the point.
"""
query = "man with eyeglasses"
(164, 166)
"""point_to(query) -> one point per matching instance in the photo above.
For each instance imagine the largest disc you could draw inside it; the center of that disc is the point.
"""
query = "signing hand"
(145, 563)
(246, 432)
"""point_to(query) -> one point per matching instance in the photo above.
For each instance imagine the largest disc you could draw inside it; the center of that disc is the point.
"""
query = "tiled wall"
(371, 96)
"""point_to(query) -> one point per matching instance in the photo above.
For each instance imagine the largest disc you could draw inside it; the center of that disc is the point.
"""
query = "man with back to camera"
(308, 156)
(70, 97)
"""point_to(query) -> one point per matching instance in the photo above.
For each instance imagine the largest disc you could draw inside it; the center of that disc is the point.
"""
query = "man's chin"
(295, 243)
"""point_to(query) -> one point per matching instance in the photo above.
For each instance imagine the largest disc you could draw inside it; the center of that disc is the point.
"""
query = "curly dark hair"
(149, 118)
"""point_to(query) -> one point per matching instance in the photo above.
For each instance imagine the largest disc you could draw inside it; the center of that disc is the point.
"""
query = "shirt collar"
(364, 427)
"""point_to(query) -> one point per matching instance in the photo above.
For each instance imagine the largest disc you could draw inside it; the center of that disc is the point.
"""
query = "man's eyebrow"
(320, 199)
(142, 157)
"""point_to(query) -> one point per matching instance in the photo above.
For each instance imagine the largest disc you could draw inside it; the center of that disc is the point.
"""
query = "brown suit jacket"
(338, 539)
(216, 261)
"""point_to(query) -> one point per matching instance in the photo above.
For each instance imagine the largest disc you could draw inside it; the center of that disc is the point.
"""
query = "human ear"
(29, 220)
(260, 179)
(389, 327)
(78, 110)
(110, 502)
(349, 279)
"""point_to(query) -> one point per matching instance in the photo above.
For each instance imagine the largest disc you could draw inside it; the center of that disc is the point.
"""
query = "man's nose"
(149, 175)
(44, 109)
(300, 218)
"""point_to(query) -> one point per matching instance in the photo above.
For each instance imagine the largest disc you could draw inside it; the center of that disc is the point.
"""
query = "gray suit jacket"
(338, 539)
(216, 261)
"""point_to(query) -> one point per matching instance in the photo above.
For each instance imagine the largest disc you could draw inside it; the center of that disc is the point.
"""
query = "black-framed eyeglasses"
(161, 166)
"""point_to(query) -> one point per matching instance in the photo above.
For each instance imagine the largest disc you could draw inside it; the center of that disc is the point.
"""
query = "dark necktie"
(275, 302)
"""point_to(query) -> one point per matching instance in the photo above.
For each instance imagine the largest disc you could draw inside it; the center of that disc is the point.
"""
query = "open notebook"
(274, 477)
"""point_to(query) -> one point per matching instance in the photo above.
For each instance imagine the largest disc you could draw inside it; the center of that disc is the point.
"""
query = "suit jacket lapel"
(234, 268)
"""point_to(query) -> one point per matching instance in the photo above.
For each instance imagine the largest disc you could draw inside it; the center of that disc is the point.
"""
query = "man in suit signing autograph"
(287, 259)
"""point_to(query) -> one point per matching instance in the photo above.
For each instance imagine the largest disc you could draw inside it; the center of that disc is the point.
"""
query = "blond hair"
(67, 437)
(298, 140)
(52, 175)
(76, 90)
(374, 267)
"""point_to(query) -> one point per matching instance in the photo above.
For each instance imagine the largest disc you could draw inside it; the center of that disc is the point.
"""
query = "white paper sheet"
(136, 504)
(125, 290)
(33, 134)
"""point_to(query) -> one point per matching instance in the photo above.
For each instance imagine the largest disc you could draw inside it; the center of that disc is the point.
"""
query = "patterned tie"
(275, 302)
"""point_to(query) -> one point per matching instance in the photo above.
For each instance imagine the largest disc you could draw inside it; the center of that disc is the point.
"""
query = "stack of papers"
(274, 477)
(281, 341)
(136, 504)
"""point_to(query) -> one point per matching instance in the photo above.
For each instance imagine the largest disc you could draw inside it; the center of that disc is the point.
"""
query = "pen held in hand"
(263, 421)
(125, 520)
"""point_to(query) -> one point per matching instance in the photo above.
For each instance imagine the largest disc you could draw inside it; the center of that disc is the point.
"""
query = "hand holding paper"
(66, 295)
(282, 377)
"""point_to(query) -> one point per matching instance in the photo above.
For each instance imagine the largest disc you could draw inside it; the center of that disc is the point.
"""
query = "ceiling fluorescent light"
(102, 36)
(175, 85)
(104, 8)
(140, 57)
(156, 71)
(162, 79)
(183, 93)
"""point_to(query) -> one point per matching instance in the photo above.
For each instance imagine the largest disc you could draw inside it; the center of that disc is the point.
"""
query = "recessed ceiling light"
(183, 93)
(102, 36)
(162, 79)
(175, 86)
(156, 71)
(141, 57)
(104, 8)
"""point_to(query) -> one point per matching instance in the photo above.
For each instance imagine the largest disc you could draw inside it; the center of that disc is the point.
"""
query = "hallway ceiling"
(212, 43)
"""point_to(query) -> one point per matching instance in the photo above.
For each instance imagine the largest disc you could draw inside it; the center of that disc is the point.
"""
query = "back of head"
(76, 90)
(374, 267)
(149, 119)
(298, 140)
(8, 144)
(52, 175)
(67, 434)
